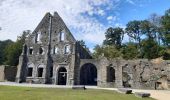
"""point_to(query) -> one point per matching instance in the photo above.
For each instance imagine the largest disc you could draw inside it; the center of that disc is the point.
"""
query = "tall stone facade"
(51, 55)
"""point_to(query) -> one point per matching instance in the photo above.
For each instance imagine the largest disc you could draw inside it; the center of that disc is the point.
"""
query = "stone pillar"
(118, 75)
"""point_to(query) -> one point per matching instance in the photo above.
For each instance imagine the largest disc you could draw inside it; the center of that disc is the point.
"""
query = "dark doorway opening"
(29, 73)
(62, 76)
(88, 74)
(110, 74)
(40, 72)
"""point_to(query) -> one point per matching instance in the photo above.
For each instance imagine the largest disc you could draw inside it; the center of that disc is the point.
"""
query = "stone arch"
(62, 76)
(88, 74)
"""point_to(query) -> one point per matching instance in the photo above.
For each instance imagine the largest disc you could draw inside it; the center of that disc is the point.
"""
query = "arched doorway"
(88, 74)
(62, 76)
(110, 74)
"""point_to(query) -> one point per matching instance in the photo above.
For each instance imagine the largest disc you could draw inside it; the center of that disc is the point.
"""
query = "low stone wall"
(2, 73)
(7, 73)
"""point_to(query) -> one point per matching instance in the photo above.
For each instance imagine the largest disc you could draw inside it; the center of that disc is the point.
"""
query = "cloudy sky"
(86, 19)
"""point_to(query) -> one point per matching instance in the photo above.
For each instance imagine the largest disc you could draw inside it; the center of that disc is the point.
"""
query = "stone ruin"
(51, 55)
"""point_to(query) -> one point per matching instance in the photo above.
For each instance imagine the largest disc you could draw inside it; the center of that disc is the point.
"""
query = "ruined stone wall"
(2, 74)
(7, 73)
(140, 73)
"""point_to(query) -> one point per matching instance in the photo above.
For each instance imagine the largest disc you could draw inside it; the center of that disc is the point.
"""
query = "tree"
(133, 30)
(148, 29)
(155, 20)
(3, 45)
(108, 51)
(130, 51)
(166, 27)
(150, 49)
(114, 36)
(14, 50)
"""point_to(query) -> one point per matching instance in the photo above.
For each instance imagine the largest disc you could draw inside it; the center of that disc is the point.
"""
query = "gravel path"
(157, 94)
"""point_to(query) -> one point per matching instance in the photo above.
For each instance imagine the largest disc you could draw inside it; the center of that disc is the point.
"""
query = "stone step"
(125, 91)
(79, 87)
(142, 94)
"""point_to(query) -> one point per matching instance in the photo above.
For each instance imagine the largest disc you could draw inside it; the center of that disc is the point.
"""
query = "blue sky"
(86, 19)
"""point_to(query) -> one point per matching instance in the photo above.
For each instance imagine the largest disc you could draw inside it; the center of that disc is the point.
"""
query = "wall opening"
(40, 72)
(126, 79)
(41, 50)
(31, 50)
(110, 74)
(67, 49)
(38, 37)
(29, 73)
(61, 36)
(88, 74)
(62, 76)
(55, 50)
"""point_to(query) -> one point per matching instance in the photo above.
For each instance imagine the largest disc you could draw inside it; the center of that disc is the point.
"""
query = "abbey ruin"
(51, 55)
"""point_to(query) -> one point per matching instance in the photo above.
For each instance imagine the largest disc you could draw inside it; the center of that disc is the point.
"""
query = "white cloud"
(19, 15)
(109, 17)
(131, 2)
(101, 12)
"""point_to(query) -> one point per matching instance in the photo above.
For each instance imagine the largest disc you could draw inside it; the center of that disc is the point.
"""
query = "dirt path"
(157, 94)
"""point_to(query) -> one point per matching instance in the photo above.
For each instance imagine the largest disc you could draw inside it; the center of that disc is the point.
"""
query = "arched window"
(31, 50)
(55, 50)
(38, 36)
(61, 36)
(41, 50)
(40, 70)
(30, 70)
(67, 49)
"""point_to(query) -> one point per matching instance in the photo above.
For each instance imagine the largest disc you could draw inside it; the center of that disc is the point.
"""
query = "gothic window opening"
(67, 49)
(41, 50)
(55, 50)
(31, 50)
(38, 37)
(40, 72)
(61, 36)
(30, 70)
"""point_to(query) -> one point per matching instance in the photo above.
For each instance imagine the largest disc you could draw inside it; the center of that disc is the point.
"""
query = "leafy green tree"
(108, 51)
(155, 20)
(148, 29)
(166, 28)
(3, 45)
(114, 36)
(14, 50)
(130, 51)
(150, 49)
(133, 30)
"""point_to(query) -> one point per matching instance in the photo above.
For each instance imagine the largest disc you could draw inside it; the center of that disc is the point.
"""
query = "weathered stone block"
(79, 87)
(125, 91)
(142, 94)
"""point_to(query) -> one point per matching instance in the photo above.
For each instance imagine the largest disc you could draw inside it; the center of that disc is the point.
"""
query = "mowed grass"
(26, 93)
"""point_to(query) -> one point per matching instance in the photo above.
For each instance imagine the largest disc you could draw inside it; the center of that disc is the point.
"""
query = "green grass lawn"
(26, 93)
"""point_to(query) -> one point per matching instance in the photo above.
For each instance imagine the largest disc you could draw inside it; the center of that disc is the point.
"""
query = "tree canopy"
(149, 39)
